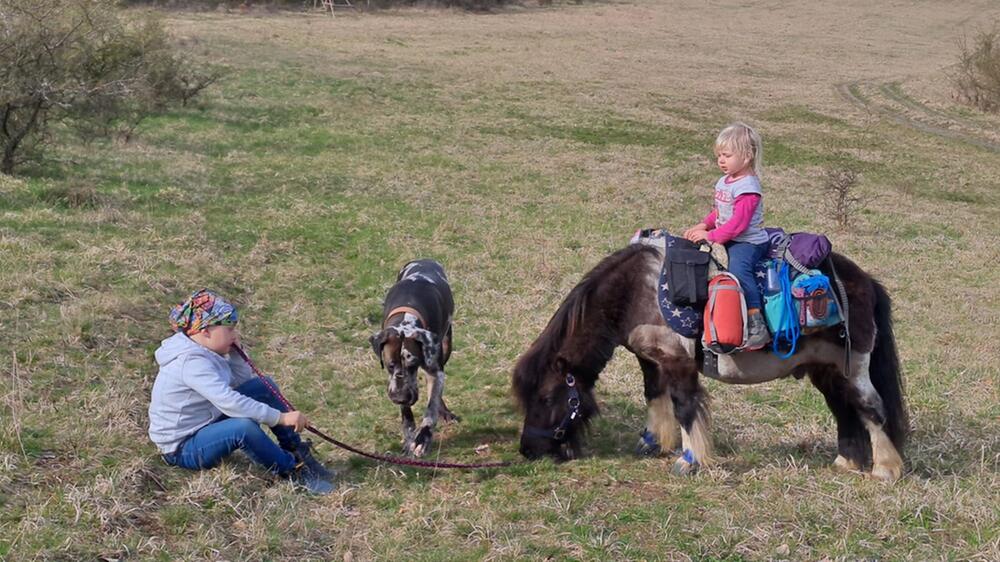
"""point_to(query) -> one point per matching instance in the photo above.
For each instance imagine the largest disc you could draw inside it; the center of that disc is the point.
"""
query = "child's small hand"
(696, 235)
(693, 229)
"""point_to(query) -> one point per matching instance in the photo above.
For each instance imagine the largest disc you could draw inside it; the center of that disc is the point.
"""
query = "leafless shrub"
(841, 186)
(87, 64)
(977, 79)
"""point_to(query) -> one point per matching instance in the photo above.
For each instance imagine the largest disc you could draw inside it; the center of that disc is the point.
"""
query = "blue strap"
(788, 326)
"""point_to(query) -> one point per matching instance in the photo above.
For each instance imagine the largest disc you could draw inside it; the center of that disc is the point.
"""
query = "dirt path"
(915, 114)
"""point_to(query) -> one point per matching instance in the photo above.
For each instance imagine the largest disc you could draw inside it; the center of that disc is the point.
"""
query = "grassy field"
(517, 148)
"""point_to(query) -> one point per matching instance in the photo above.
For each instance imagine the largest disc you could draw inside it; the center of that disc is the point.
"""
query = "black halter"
(558, 434)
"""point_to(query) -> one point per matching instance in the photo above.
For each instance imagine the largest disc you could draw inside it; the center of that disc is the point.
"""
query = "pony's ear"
(378, 342)
(431, 349)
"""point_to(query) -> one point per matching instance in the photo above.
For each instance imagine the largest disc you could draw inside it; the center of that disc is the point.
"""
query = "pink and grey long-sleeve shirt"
(739, 212)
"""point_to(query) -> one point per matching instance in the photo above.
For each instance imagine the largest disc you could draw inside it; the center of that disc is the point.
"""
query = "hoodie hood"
(177, 345)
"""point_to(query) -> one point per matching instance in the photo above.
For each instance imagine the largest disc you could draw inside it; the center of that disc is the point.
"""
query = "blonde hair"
(744, 141)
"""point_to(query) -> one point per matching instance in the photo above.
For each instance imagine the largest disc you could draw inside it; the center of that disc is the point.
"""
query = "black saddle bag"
(687, 273)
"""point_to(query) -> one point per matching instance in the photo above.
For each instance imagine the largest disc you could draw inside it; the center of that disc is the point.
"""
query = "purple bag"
(776, 237)
(809, 249)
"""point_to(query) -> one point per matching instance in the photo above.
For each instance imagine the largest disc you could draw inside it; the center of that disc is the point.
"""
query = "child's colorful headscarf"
(203, 309)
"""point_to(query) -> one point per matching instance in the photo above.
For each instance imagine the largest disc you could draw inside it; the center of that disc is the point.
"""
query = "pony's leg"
(690, 408)
(435, 388)
(677, 379)
(660, 434)
(853, 449)
(887, 464)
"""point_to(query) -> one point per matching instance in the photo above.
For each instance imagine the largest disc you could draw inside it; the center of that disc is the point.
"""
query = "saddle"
(813, 299)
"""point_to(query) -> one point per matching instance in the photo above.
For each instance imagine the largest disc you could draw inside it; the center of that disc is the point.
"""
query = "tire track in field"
(851, 92)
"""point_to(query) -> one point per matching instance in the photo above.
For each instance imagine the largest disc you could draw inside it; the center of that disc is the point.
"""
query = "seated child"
(207, 402)
(737, 219)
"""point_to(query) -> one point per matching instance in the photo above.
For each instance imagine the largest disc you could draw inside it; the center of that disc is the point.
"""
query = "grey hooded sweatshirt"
(194, 388)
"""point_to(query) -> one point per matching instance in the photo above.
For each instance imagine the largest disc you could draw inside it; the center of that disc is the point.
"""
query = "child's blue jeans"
(210, 444)
(743, 257)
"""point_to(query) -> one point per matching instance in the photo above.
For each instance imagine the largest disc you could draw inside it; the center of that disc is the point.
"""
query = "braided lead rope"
(375, 456)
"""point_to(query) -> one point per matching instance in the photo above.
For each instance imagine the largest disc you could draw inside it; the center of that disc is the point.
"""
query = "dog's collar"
(401, 310)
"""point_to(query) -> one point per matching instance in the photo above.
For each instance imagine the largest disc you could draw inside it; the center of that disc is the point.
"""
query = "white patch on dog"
(420, 277)
(408, 358)
(408, 328)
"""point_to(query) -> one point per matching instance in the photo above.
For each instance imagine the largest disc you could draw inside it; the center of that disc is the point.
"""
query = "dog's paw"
(422, 442)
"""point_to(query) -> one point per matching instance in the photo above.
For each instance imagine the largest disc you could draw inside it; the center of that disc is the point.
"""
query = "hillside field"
(518, 148)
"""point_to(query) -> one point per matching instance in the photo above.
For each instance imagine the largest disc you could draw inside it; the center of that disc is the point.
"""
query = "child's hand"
(693, 229)
(294, 419)
(696, 235)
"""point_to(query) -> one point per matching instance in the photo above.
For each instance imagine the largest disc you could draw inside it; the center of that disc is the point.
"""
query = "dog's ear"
(378, 342)
(429, 346)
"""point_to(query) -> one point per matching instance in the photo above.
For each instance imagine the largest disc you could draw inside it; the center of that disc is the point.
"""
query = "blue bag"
(780, 311)
(814, 300)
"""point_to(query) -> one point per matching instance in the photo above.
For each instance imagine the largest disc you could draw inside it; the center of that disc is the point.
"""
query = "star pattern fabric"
(687, 321)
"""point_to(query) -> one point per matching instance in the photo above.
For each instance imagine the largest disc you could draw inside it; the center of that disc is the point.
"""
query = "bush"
(977, 80)
(845, 200)
(85, 63)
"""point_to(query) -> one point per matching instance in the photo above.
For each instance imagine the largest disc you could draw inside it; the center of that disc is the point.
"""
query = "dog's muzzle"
(402, 391)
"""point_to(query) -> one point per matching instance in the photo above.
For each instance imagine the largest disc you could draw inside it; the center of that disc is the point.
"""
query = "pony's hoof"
(845, 464)
(647, 446)
(684, 468)
(447, 416)
(887, 473)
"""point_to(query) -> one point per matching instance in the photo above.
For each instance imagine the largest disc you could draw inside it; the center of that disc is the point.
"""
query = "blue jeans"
(209, 445)
(743, 257)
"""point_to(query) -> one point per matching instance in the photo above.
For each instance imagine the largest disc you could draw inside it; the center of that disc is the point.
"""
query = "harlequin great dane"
(416, 333)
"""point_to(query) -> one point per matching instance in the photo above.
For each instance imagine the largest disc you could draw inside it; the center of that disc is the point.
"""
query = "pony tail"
(885, 373)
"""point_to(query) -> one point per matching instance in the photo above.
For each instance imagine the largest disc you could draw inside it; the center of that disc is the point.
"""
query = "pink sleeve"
(709, 219)
(743, 209)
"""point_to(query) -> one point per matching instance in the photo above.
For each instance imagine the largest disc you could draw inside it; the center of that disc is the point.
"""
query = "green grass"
(324, 161)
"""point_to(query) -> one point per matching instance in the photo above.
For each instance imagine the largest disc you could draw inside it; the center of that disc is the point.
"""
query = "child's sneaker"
(309, 479)
(757, 334)
(303, 454)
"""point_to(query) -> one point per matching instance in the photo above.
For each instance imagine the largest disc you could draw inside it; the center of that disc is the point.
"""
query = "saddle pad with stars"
(687, 320)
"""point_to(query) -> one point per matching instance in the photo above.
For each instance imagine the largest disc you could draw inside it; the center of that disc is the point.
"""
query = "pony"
(616, 305)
